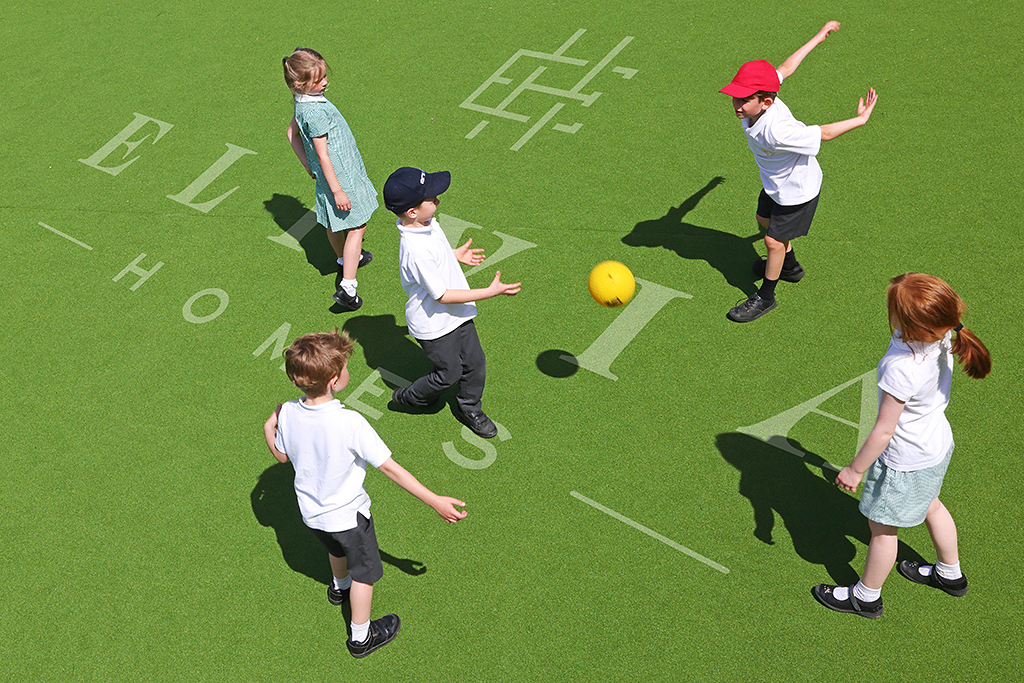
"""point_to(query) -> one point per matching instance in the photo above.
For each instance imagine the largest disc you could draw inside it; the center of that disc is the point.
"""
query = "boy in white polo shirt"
(441, 305)
(785, 150)
(329, 447)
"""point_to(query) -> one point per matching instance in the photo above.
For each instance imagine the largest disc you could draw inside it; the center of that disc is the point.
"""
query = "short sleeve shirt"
(329, 447)
(785, 150)
(428, 268)
(921, 375)
(318, 117)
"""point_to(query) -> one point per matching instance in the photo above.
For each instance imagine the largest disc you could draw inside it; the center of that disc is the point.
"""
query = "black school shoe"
(480, 424)
(909, 570)
(346, 301)
(788, 274)
(824, 594)
(335, 596)
(382, 632)
(751, 309)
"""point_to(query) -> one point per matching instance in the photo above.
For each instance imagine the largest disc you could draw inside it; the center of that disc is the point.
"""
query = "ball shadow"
(553, 364)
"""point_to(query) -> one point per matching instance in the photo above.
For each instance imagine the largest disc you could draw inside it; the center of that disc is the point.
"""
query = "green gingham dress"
(317, 117)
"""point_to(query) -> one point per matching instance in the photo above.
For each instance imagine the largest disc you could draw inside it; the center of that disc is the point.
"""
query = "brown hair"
(313, 359)
(302, 69)
(925, 308)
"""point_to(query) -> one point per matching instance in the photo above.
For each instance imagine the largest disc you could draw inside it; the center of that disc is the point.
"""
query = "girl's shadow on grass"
(287, 211)
(274, 505)
(820, 518)
(729, 254)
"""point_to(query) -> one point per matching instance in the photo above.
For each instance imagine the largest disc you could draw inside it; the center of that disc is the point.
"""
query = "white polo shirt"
(329, 446)
(921, 375)
(428, 268)
(785, 150)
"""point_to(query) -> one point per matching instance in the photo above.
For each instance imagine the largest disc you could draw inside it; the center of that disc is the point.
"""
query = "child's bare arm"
(443, 505)
(889, 411)
(270, 432)
(793, 61)
(462, 296)
(865, 106)
(341, 199)
(295, 140)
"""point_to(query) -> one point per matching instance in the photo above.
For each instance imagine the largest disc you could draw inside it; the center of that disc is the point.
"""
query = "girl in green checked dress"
(321, 139)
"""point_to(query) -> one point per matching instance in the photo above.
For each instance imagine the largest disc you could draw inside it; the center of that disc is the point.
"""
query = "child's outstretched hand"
(498, 287)
(828, 28)
(848, 479)
(445, 506)
(470, 257)
(867, 104)
(341, 200)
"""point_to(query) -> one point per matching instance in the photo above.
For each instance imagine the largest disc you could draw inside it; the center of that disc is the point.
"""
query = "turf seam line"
(650, 532)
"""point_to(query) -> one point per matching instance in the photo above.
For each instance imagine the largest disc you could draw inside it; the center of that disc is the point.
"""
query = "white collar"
(319, 97)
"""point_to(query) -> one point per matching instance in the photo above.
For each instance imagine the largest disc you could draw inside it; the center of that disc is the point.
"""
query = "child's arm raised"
(443, 505)
(793, 61)
(270, 432)
(295, 140)
(462, 296)
(341, 199)
(889, 411)
(865, 106)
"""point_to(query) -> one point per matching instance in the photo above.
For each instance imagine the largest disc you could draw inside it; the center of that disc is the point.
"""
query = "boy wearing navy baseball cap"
(785, 151)
(441, 305)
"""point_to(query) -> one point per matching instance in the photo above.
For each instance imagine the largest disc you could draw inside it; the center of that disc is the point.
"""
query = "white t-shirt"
(921, 375)
(329, 446)
(785, 150)
(428, 269)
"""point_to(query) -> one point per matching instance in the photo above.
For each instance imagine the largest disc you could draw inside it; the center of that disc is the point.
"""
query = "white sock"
(950, 572)
(343, 584)
(865, 594)
(349, 286)
(360, 632)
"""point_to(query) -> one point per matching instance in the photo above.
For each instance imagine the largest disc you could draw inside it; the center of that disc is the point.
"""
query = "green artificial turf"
(149, 535)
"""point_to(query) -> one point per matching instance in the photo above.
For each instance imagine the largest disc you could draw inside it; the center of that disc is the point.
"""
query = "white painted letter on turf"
(186, 310)
(510, 246)
(133, 267)
(641, 310)
(775, 429)
(229, 157)
(490, 452)
(122, 139)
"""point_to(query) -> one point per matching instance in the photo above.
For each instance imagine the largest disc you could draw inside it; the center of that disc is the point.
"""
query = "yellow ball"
(611, 284)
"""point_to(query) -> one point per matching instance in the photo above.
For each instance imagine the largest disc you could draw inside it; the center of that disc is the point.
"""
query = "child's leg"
(339, 566)
(776, 255)
(474, 371)
(881, 555)
(361, 599)
(352, 249)
(943, 531)
(337, 240)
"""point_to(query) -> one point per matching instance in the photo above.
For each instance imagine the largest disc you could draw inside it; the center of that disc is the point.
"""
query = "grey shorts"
(901, 499)
(786, 222)
(359, 546)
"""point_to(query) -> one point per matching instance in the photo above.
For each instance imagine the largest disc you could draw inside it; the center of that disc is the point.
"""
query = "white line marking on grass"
(653, 534)
(67, 237)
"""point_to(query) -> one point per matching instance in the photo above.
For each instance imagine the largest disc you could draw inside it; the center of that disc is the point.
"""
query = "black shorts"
(786, 222)
(359, 546)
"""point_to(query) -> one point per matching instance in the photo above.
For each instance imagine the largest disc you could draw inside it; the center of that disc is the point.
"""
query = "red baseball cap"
(752, 77)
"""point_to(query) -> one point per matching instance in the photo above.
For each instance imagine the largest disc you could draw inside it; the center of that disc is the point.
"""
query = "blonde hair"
(925, 308)
(302, 69)
(314, 359)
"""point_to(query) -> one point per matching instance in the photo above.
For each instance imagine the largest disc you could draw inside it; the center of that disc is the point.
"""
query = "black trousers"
(457, 358)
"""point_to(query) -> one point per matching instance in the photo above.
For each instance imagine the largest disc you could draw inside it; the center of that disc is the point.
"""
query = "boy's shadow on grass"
(819, 517)
(729, 254)
(287, 211)
(274, 505)
(387, 346)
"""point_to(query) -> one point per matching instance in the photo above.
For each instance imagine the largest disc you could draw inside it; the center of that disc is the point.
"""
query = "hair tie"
(958, 327)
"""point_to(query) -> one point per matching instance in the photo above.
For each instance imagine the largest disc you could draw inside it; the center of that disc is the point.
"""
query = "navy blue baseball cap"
(408, 187)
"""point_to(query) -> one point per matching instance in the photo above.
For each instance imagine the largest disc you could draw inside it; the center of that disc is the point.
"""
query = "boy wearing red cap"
(785, 151)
